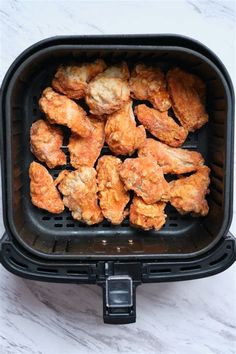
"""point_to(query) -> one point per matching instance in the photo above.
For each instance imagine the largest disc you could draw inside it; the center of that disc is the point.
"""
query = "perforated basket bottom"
(64, 224)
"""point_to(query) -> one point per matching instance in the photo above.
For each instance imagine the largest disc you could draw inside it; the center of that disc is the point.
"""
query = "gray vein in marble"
(213, 8)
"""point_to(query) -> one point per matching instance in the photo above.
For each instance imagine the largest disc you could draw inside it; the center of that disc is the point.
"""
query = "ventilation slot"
(77, 272)
(189, 268)
(47, 270)
(18, 264)
(158, 271)
(58, 225)
(219, 260)
(46, 218)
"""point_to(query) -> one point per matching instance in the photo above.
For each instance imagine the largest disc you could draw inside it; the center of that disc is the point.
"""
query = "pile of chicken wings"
(110, 93)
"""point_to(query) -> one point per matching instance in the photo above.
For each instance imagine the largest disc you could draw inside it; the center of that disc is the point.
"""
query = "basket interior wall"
(60, 234)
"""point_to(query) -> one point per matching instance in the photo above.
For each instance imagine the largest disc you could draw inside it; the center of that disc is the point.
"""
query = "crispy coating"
(111, 192)
(72, 80)
(149, 83)
(161, 125)
(44, 194)
(147, 216)
(60, 109)
(171, 160)
(79, 189)
(109, 91)
(145, 178)
(85, 151)
(122, 135)
(187, 92)
(187, 194)
(45, 143)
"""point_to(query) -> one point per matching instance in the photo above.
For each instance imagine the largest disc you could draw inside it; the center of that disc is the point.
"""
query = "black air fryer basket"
(41, 246)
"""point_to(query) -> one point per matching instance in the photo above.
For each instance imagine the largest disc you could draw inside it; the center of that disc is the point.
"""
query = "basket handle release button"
(119, 300)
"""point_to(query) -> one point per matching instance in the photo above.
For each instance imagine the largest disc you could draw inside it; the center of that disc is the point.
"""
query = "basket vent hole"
(219, 260)
(173, 225)
(228, 247)
(69, 218)
(35, 100)
(70, 225)
(19, 264)
(57, 217)
(58, 225)
(46, 218)
(35, 112)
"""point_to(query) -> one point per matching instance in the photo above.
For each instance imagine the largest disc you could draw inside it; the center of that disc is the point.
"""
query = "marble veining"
(193, 317)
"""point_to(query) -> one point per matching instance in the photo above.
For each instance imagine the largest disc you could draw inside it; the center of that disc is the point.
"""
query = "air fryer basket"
(59, 238)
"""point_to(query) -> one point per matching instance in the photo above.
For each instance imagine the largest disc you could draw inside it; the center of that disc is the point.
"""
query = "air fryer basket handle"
(119, 304)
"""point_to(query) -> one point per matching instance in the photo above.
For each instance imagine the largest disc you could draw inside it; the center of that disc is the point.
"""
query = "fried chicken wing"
(171, 160)
(187, 92)
(60, 109)
(111, 192)
(72, 80)
(149, 83)
(161, 125)
(122, 135)
(147, 216)
(187, 194)
(45, 143)
(145, 178)
(44, 194)
(85, 151)
(79, 189)
(109, 91)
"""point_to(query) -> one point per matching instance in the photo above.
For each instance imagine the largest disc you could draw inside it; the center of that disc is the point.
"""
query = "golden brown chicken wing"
(60, 109)
(79, 189)
(171, 160)
(122, 135)
(72, 80)
(187, 92)
(146, 178)
(85, 151)
(161, 125)
(45, 143)
(109, 91)
(147, 216)
(44, 194)
(187, 194)
(149, 83)
(111, 192)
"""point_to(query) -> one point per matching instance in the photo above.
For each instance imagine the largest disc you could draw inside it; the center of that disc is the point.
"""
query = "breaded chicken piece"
(187, 92)
(122, 135)
(161, 125)
(45, 143)
(79, 189)
(60, 109)
(171, 160)
(145, 178)
(111, 192)
(147, 216)
(109, 91)
(72, 80)
(43, 192)
(149, 83)
(85, 151)
(187, 194)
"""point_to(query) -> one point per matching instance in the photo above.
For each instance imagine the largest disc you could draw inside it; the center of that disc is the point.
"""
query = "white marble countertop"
(193, 317)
